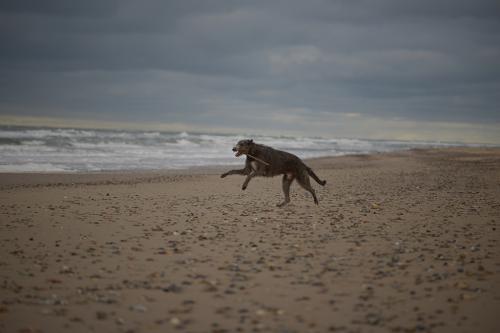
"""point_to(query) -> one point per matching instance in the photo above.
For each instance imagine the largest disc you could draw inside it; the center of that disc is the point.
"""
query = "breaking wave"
(24, 149)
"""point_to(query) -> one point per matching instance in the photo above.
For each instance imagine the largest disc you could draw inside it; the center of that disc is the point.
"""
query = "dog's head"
(243, 147)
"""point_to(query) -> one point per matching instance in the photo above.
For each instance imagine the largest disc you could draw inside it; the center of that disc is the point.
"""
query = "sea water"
(31, 149)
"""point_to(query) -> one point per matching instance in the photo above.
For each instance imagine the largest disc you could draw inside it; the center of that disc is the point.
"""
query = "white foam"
(52, 150)
(151, 134)
(32, 167)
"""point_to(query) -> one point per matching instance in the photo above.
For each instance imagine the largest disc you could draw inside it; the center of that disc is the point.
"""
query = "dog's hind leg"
(286, 182)
(303, 180)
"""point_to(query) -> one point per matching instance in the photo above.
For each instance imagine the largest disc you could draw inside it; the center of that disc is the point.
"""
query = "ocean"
(31, 149)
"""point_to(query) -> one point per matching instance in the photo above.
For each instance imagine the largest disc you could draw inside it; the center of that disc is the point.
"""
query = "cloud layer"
(282, 66)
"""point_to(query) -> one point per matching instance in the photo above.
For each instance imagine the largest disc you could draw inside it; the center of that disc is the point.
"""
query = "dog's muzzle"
(238, 153)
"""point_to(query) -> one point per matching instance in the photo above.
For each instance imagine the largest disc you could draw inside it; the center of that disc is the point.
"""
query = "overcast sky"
(425, 69)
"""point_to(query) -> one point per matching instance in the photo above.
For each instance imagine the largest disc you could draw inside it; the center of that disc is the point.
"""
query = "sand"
(401, 242)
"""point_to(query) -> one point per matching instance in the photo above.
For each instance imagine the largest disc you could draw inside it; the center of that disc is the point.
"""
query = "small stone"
(138, 308)
(420, 327)
(210, 286)
(101, 315)
(172, 288)
(466, 297)
(373, 319)
(261, 312)
(65, 270)
(462, 285)
(175, 321)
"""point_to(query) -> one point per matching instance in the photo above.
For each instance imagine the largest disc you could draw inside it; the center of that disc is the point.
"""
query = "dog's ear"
(250, 141)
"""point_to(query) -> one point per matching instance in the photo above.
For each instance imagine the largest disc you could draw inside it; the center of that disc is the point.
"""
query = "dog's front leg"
(235, 172)
(247, 180)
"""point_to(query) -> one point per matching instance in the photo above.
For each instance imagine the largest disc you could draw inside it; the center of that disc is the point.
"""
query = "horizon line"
(178, 127)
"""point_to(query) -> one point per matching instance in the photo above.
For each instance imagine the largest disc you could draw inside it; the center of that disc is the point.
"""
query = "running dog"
(268, 162)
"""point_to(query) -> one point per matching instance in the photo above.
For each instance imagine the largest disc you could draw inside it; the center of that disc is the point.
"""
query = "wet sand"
(401, 242)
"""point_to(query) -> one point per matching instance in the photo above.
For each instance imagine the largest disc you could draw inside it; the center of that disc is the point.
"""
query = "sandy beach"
(400, 242)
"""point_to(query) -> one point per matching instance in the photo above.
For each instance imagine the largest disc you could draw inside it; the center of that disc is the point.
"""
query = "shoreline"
(403, 241)
(118, 176)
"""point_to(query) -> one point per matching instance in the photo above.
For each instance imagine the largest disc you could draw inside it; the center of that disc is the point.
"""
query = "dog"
(269, 162)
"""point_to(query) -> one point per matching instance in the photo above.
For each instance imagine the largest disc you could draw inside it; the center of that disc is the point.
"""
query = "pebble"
(261, 312)
(475, 248)
(65, 270)
(175, 321)
(138, 308)
(101, 315)
(373, 319)
(172, 288)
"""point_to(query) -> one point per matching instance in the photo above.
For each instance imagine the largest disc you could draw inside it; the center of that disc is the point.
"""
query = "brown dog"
(268, 162)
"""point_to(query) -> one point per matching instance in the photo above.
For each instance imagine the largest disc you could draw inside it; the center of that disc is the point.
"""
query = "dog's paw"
(281, 204)
(244, 187)
(223, 175)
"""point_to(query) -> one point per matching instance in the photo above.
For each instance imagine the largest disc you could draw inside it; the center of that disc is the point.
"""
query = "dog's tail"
(316, 178)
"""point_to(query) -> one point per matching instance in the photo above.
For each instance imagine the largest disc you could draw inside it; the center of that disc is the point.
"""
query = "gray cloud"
(217, 62)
